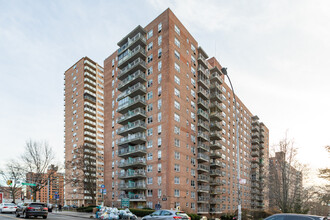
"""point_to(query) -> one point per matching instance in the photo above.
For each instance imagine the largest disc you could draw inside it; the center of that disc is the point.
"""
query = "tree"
(37, 158)
(325, 173)
(81, 173)
(14, 174)
(285, 177)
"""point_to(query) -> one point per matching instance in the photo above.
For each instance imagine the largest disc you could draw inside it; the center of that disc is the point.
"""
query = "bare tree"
(37, 158)
(81, 173)
(13, 175)
(325, 173)
(285, 178)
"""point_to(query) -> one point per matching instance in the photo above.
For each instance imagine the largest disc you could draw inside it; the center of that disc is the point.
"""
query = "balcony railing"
(131, 101)
(132, 77)
(205, 92)
(131, 53)
(217, 76)
(130, 66)
(203, 199)
(215, 210)
(216, 172)
(132, 114)
(203, 146)
(202, 177)
(203, 167)
(133, 161)
(132, 138)
(133, 196)
(132, 150)
(215, 200)
(203, 188)
(202, 210)
(204, 80)
(203, 113)
(132, 185)
(131, 90)
(203, 156)
(203, 124)
(132, 126)
(203, 135)
(133, 174)
(137, 37)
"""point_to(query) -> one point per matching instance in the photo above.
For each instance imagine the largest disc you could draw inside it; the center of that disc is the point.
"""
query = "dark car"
(32, 209)
(294, 217)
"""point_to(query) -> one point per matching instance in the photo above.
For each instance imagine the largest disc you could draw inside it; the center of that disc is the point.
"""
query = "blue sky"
(276, 52)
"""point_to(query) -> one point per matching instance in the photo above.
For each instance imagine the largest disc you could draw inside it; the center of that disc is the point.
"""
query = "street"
(51, 216)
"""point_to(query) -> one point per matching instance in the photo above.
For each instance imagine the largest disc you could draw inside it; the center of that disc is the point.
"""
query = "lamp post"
(239, 207)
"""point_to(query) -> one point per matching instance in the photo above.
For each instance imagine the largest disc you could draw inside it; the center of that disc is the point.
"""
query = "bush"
(86, 209)
(227, 217)
(141, 212)
(194, 216)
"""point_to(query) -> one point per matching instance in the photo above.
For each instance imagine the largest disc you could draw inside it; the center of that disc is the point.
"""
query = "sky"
(276, 52)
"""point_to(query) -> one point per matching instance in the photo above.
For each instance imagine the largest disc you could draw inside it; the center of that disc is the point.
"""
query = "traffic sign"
(102, 186)
(125, 202)
(29, 184)
(56, 193)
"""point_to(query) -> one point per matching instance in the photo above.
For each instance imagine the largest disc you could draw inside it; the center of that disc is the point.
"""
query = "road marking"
(8, 216)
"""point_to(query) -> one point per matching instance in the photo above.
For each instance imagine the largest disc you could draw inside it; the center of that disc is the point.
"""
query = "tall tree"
(80, 174)
(285, 177)
(325, 173)
(37, 158)
(14, 175)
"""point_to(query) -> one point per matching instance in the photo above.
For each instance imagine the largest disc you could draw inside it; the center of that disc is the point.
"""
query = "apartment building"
(170, 127)
(56, 186)
(84, 132)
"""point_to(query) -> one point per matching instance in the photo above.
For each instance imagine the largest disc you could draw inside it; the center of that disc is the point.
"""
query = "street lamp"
(239, 207)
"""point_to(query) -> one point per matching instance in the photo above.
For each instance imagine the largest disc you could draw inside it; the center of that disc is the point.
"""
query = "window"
(149, 144)
(177, 167)
(177, 80)
(193, 59)
(159, 193)
(176, 180)
(149, 194)
(149, 107)
(159, 141)
(177, 105)
(159, 52)
(150, 34)
(159, 78)
(150, 45)
(176, 130)
(149, 120)
(193, 71)
(177, 67)
(160, 27)
(193, 49)
(177, 30)
(159, 65)
(177, 54)
(149, 71)
(159, 90)
(176, 117)
(176, 193)
(159, 129)
(149, 180)
(193, 82)
(149, 156)
(159, 167)
(177, 155)
(159, 154)
(149, 168)
(149, 95)
(159, 103)
(149, 132)
(159, 180)
(177, 42)
(193, 93)
(177, 92)
(159, 116)
(176, 142)
(150, 57)
(192, 194)
(160, 40)
(149, 84)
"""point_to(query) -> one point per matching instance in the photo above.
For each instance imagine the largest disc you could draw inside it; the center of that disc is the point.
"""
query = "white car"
(8, 207)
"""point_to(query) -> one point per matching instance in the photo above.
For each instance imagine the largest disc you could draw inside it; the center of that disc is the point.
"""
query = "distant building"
(56, 186)
(7, 196)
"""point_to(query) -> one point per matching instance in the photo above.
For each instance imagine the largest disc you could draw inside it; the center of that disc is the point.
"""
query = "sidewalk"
(75, 214)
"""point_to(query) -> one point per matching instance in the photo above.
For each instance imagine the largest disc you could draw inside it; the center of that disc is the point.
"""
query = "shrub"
(194, 216)
(141, 212)
(86, 209)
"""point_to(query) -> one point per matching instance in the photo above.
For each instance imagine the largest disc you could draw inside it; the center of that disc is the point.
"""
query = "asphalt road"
(51, 216)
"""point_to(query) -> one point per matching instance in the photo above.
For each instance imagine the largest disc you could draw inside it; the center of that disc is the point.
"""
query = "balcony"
(136, 114)
(255, 141)
(255, 135)
(254, 160)
(215, 154)
(216, 116)
(203, 125)
(90, 82)
(132, 40)
(130, 55)
(202, 210)
(137, 89)
(132, 103)
(216, 97)
(203, 188)
(215, 210)
(215, 163)
(132, 186)
(254, 185)
(203, 178)
(215, 136)
(205, 94)
(90, 134)
(203, 104)
(214, 145)
(203, 168)
(216, 106)
(216, 77)
(215, 191)
(262, 146)
(203, 61)
(134, 197)
(255, 147)
(202, 146)
(215, 200)
(255, 153)
(133, 174)
(138, 64)
(203, 157)
(133, 151)
(255, 128)
(215, 126)
(202, 113)
(215, 182)
(203, 81)
(203, 136)
(89, 98)
(136, 77)
(136, 126)
(90, 76)
(203, 199)
(133, 162)
(137, 138)
(89, 117)
(215, 172)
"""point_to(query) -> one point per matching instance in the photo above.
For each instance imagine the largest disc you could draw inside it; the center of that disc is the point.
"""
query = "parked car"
(8, 207)
(287, 216)
(32, 209)
(167, 215)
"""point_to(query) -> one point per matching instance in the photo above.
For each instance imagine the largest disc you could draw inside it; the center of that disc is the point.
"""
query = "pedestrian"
(60, 207)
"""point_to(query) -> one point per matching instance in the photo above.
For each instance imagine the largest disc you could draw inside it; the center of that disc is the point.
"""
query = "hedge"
(194, 216)
(86, 209)
(141, 212)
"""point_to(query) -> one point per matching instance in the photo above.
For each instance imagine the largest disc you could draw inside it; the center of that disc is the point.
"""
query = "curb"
(76, 216)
